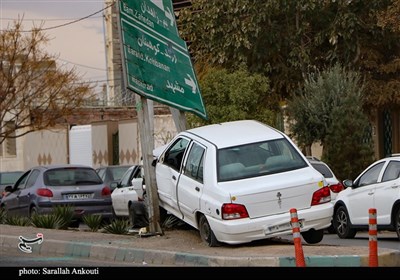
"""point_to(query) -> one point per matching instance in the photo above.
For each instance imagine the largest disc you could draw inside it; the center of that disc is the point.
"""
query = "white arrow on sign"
(190, 82)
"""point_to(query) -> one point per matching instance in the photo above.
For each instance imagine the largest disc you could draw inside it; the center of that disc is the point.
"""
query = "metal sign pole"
(147, 144)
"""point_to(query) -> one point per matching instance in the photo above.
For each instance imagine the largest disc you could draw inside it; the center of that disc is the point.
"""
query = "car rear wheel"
(206, 234)
(313, 236)
(32, 211)
(397, 223)
(342, 224)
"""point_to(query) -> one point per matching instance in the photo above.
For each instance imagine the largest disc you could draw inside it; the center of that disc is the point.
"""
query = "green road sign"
(158, 64)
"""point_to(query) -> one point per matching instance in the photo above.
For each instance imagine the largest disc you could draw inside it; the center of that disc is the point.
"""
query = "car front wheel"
(206, 234)
(341, 222)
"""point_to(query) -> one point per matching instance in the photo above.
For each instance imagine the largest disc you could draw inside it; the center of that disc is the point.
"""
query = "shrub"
(65, 214)
(3, 215)
(46, 221)
(93, 221)
(117, 226)
(17, 221)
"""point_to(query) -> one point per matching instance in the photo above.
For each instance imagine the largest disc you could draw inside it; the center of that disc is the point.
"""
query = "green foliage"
(94, 222)
(65, 213)
(235, 96)
(117, 226)
(171, 221)
(284, 40)
(17, 221)
(329, 111)
(46, 221)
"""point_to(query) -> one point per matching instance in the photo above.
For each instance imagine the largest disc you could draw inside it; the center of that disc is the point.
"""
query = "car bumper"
(80, 209)
(247, 230)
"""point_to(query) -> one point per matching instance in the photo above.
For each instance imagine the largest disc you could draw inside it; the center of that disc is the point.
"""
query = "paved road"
(184, 248)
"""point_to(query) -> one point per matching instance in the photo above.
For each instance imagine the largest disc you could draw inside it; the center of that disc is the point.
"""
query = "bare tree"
(34, 93)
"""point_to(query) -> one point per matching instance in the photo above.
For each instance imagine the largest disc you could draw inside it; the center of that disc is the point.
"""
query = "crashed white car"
(237, 181)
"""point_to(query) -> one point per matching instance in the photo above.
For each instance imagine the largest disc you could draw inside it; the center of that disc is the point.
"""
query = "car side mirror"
(348, 183)
(8, 189)
(154, 162)
(114, 185)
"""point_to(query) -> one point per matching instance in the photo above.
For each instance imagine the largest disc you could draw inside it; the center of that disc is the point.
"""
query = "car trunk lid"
(275, 193)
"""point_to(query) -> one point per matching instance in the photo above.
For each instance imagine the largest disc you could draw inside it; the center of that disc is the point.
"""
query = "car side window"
(126, 177)
(392, 171)
(32, 178)
(20, 184)
(194, 163)
(174, 155)
(371, 176)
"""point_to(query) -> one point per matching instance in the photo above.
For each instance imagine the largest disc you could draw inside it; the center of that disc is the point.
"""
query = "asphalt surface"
(182, 248)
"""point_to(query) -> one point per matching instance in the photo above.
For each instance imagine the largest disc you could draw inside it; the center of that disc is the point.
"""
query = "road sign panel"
(158, 64)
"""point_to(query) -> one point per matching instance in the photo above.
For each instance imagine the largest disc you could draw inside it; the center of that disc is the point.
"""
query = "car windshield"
(257, 159)
(71, 176)
(118, 172)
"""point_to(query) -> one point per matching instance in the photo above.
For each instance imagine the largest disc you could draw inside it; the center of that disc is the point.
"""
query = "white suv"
(237, 181)
(378, 187)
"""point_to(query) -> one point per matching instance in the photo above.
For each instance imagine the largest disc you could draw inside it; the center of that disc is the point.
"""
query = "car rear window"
(258, 159)
(71, 176)
(323, 169)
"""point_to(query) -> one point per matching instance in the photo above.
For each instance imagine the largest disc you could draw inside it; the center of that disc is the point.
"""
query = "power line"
(71, 22)
(81, 65)
(52, 19)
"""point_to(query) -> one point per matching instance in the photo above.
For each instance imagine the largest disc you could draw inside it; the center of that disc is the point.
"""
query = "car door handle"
(197, 189)
(370, 193)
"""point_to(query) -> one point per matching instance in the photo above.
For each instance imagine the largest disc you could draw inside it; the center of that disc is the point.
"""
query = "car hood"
(275, 193)
(158, 151)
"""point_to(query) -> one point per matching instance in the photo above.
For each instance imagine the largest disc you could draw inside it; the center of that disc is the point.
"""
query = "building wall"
(102, 142)
(44, 147)
(129, 148)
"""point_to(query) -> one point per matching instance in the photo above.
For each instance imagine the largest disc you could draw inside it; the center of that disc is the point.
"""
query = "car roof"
(52, 166)
(236, 133)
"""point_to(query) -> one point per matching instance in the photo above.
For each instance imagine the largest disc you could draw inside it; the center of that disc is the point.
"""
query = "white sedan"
(377, 187)
(127, 191)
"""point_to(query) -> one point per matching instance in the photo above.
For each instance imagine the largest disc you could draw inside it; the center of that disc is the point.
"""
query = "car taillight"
(336, 187)
(233, 211)
(106, 191)
(321, 196)
(44, 192)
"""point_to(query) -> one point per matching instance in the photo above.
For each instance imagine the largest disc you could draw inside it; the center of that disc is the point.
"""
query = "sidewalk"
(184, 248)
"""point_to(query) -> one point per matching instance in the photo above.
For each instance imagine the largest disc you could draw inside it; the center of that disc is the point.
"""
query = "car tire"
(206, 233)
(33, 211)
(313, 236)
(397, 223)
(342, 224)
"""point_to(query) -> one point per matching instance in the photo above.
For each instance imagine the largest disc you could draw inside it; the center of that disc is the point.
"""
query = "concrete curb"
(141, 256)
